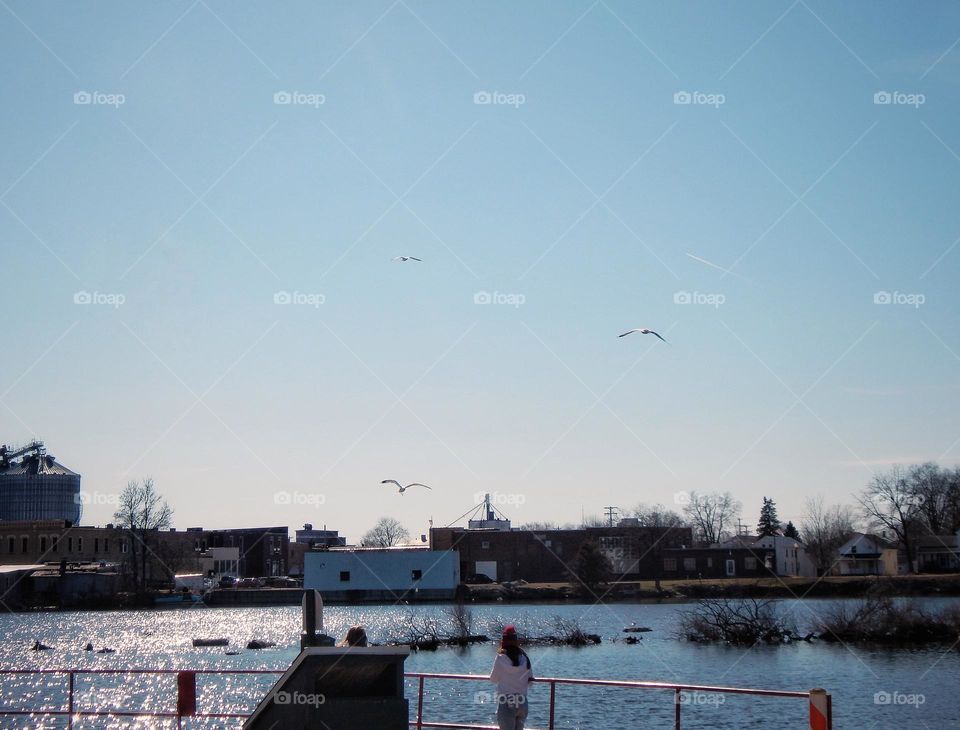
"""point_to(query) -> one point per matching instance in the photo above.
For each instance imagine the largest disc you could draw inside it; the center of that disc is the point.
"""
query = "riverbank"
(682, 590)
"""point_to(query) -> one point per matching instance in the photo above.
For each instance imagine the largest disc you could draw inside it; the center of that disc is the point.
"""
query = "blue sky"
(184, 207)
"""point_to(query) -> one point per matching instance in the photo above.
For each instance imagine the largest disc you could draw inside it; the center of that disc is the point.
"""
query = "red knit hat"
(509, 636)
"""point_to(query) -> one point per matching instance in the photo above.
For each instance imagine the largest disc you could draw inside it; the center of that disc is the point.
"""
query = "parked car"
(248, 583)
(228, 581)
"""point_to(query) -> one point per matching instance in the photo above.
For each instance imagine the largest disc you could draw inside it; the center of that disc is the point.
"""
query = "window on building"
(69, 544)
(344, 576)
(749, 563)
(96, 545)
(24, 544)
(106, 544)
(416, 574)
(548, 543)
(124, 546)
(79, 544)
(43, 543)
(485, 545)
(10, 544)
(689, 563)
(709, 562)
(56, 543)
(669, 564)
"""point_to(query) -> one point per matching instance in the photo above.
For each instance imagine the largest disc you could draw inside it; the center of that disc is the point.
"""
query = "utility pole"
(610, 513)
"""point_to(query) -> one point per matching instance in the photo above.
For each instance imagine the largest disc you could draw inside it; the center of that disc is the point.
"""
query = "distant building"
(743, 556)
(866, 554)
(263, 550)
(382, 574)
(34, 486)
(939, 553)
(320, 538)
(545, 556)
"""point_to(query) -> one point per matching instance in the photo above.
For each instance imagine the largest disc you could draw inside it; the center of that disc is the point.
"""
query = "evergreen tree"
(768, 524)
(791, 531)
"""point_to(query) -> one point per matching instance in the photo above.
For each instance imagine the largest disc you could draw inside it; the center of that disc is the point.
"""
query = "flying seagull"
(404, 488)
(406, 258)
(642, 331)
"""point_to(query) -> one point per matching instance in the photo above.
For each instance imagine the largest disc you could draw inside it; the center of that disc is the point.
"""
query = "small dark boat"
(260, 644)
(211, 642)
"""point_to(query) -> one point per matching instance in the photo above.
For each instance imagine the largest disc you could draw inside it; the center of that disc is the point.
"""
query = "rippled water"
(163, 639)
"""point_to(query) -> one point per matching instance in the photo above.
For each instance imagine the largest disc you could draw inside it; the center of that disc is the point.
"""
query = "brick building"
(544, 556)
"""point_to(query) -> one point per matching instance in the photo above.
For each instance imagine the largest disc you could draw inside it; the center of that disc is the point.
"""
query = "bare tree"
(142, 512)
(539, 526)
(665, 529)
(712, 514)
(930, 487)
(824, 529)
(386, 533)
(890, 501)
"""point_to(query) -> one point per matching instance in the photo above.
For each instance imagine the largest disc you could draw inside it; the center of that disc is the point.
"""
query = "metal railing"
(819, 701)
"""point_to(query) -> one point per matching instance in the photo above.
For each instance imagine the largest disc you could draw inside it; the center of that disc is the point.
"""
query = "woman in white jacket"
(512, 672)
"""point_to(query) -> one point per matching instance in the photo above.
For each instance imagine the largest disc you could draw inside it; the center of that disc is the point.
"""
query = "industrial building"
(382, 574)
(34, 486)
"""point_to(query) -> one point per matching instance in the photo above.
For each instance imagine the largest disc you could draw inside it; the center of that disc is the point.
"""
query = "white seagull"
(406, 258)
(642, 331)
(404, 488)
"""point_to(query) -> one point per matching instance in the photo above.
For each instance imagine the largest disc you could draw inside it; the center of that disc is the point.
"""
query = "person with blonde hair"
(512, 673)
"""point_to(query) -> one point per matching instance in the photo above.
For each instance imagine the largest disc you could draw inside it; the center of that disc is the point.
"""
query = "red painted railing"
(818, 700)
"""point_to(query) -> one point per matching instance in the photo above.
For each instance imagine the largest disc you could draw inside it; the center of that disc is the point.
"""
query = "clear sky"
(150, 168)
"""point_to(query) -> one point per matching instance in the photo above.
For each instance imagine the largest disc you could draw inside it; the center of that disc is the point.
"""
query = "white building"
(782, 555)
(382, 574)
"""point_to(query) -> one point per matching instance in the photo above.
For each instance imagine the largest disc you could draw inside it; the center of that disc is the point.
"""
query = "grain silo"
(33, 486)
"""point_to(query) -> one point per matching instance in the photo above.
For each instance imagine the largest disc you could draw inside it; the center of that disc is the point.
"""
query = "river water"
(921, 684)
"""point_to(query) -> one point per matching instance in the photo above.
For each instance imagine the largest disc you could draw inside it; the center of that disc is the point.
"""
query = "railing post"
(821, 710)
(70, 700)
(676, 709)
(186, 694)
(553, 704)
(420, 705)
